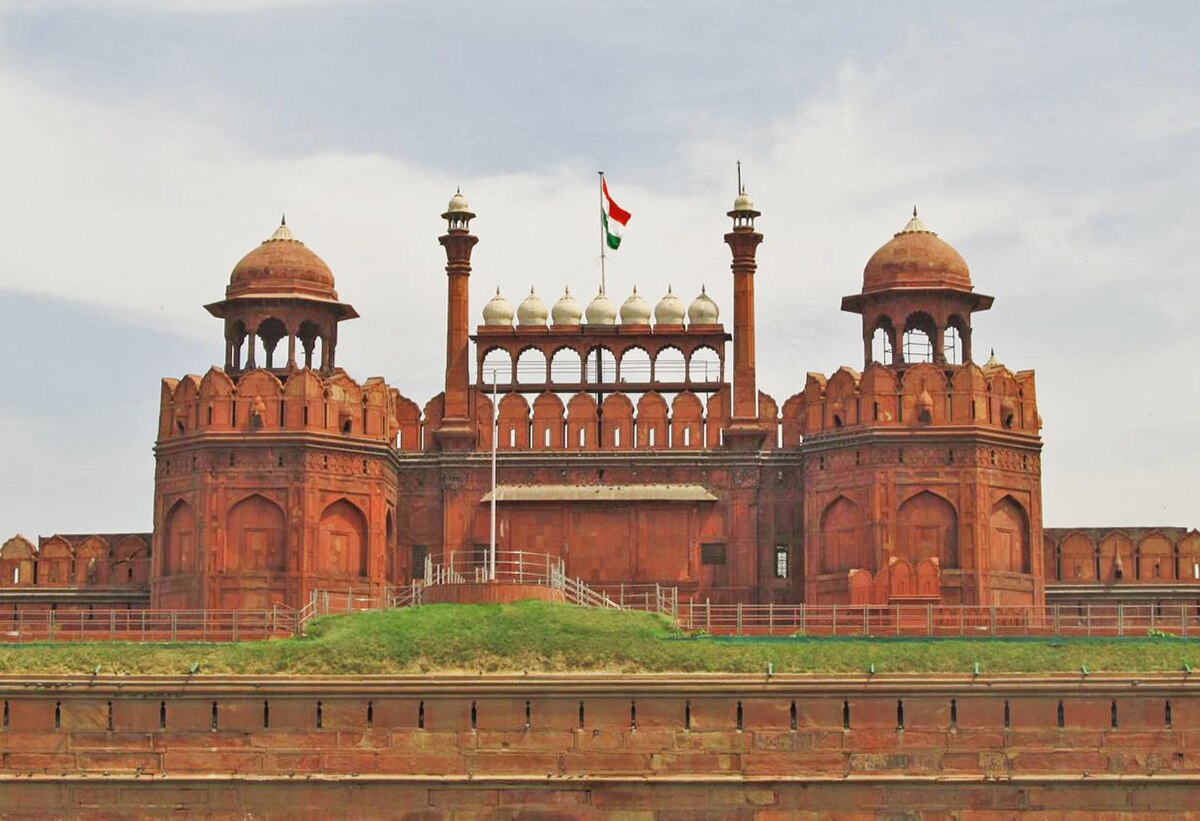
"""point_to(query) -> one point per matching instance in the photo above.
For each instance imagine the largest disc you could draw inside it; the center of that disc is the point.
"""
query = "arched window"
(497, 367)
(669, 365)
(310, 342)
(919, 333)
(952, 350)
(565, 367)
(881, 347)
(270, 331)
(704, 365)
(635, 365)
(531, 367)
(601, 366)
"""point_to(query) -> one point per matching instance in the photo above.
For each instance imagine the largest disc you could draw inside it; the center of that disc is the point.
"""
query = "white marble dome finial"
(635, 310)
(703, 310)
(532, 311)
(567, 311)
(669, 310)
(600, 311)
(497, 311)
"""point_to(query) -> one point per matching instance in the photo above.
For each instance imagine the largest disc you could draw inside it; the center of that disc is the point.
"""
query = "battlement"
(922, 395)
(93, 560)
(300, 401)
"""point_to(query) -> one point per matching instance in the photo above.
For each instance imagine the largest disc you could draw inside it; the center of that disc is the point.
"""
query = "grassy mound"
(540, 637)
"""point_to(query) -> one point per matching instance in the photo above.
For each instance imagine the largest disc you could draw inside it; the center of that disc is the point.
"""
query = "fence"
(149, 625)
(940, 620)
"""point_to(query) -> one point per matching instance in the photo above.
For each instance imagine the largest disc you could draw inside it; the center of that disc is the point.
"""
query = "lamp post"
(495, 436)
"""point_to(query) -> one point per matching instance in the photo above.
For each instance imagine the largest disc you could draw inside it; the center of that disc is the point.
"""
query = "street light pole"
(495, 435)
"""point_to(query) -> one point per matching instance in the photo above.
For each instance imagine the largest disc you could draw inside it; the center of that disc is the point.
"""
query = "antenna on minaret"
(741, 190)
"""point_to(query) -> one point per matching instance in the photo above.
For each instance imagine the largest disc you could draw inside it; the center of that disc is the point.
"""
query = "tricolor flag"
(612, 216)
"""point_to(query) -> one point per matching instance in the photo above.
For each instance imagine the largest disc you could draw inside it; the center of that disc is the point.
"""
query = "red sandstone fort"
(634, 443)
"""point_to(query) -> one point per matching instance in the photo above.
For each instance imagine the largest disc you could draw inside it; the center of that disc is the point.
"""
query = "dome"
(916, 258)
(669, 310)
(458, 204)
(497, 311)
(532, 311)
(635, 310)
(601, 312)
(567, 311)
(743, 203)
(703, 311)
(282, 264)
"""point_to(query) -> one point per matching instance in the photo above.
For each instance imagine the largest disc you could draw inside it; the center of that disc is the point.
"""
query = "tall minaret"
(455, 433)
(744, 430)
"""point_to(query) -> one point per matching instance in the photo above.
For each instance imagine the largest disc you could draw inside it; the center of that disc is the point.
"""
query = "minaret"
(744, 430)
(455, 431)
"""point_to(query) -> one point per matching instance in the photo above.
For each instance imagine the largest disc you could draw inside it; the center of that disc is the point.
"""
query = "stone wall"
(588, 746)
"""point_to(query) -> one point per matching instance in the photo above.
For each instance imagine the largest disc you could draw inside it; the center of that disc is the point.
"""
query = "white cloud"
(145, 213)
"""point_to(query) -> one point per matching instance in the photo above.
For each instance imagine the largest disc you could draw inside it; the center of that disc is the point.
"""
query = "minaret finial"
(283, 219)
(914, 212)
(741, 188)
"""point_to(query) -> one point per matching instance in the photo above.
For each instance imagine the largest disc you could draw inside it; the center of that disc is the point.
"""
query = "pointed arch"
(179, 540)
(927, 527)
(342, 542)
(1008, 530)
(844, 538)
(255, 535)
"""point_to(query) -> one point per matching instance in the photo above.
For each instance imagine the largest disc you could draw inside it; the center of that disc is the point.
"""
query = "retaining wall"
(600, 746)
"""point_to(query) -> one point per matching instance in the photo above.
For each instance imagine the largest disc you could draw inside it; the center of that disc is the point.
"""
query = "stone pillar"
(744, 431)
(455, 432)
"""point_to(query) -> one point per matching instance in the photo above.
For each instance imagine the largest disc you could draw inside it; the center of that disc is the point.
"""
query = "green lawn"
(540, 637)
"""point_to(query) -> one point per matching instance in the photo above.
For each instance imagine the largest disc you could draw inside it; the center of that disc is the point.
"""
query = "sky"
(145, 147)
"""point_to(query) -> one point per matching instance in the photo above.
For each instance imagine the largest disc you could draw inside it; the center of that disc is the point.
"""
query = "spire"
(282, 232)
(915, 226)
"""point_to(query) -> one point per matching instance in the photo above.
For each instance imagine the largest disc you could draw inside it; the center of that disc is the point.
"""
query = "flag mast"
(603, 238)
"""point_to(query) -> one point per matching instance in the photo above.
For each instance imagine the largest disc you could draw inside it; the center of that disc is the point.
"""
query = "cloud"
(1074, 213)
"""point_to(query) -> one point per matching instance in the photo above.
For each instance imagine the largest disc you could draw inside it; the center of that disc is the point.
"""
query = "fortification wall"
(598, 746)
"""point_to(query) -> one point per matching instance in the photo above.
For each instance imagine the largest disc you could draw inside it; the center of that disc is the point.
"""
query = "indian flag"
(613, 216)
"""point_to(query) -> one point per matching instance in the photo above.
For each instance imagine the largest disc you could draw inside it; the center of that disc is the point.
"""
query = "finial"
(741, 188)
(914, 212)
(497, 290)
(458, 189)
(283, 219)
(702, 288)
(635, 289)
(531, 290)
(567, 291)
(668, 288)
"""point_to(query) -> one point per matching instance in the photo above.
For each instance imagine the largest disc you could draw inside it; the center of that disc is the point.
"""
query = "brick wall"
(593, 743)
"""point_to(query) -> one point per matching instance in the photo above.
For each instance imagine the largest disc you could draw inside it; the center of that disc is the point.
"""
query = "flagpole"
(603, 239)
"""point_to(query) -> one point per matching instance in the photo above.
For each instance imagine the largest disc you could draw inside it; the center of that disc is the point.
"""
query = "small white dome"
(635, 310)
(567, 311)
(743, 202)
(669, 310)
(497, 311)
(703, 311)
(532, 311)
(601, 312)
(458, 204)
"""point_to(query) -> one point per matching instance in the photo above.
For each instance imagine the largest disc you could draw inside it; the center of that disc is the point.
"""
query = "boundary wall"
(600, 746)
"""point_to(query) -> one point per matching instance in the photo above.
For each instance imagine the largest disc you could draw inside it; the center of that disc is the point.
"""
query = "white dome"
(635, 310)
(532, 311)
(743, 202)
(703, 311)
(497, 311)
(669, 310)
(601, 312)
(458, 204)
(567, 311)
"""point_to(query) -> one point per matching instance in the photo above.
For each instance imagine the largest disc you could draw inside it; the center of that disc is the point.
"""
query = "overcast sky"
(145, 146)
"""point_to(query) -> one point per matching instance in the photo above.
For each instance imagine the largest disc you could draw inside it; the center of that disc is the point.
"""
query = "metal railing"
(149, 625)
(934, 620)
(512, 567)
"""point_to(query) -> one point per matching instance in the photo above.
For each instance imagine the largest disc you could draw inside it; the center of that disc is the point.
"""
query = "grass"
(541, 637)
